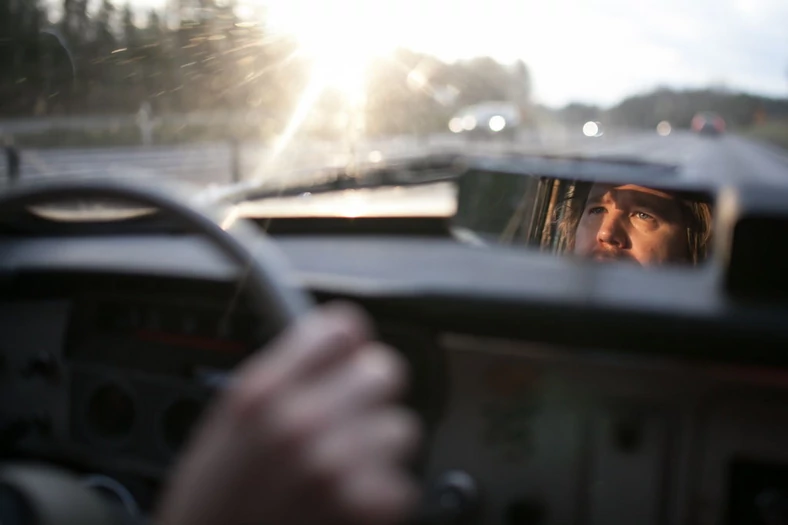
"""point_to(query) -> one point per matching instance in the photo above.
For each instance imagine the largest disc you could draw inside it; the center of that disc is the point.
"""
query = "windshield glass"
(215, 92)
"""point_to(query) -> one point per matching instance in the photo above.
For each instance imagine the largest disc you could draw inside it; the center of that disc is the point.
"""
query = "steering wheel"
(263, 276)
(263, 266)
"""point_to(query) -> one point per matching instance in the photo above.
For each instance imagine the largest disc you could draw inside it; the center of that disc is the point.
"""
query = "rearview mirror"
(495, 205)
(546, 204)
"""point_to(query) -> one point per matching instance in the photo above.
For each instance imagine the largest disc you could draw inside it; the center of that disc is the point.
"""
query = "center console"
(544, 435)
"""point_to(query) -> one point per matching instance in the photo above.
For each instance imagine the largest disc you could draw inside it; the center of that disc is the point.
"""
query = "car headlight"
(455, 125)
(497, 123)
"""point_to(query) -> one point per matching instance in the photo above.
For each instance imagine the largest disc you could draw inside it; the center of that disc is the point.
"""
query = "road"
(724, 159)
(721, 159)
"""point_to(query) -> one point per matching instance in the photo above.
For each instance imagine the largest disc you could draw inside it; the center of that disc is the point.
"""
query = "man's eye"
(596, 210)
(644, 216)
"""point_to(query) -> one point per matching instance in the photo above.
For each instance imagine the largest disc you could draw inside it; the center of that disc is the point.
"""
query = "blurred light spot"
(230, 219)
(590, 129)
(216, 37)
(416, 80)
(497, 123)
(354, 206)
(375, 156)
(446, 96)
(244, 11)
(469, 123)
(455, 125)
(121, 50)
(663, 128)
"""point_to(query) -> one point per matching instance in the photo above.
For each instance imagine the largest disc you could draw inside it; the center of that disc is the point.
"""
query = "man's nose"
(613, 231)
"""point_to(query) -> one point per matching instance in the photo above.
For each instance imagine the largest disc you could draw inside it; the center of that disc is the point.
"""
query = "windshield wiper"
(405, 171)
(431, 168)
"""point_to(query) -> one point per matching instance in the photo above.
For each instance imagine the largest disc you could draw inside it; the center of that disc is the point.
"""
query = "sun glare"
(341, 68)
(341, 39)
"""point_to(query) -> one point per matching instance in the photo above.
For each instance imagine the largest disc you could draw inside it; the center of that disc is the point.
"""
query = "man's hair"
(696, 214)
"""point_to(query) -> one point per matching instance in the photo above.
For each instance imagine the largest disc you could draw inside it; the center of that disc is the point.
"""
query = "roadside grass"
(775, 132)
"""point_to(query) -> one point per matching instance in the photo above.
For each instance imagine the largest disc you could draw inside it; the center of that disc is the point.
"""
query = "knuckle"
(379, 498)
(243, 403)
(290, 426)
(386, 369)
(350, 318)
(399, 434)
(324, 471)
(409, 427)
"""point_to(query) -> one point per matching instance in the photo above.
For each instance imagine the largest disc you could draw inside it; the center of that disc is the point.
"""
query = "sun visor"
(753, 241)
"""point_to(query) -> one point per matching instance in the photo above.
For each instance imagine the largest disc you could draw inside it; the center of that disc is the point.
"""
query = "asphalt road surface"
(723, 159)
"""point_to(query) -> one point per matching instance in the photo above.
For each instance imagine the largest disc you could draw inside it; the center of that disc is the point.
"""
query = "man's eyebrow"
(593, 201)
(651, 201)
(596, 199)
(655, 203)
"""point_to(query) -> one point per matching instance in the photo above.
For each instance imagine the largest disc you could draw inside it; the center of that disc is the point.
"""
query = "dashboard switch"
(628, 433)
(525, 511)
(45, 366)
(772, 506)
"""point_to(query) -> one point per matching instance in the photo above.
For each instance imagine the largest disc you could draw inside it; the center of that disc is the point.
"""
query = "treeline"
(83, 59)
(740, 110)
(105, 62)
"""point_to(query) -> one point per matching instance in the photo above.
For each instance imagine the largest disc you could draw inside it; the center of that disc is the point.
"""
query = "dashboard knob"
(772, 506)
(452, 499)
(44, 365)
(16, 429)
(15, 509)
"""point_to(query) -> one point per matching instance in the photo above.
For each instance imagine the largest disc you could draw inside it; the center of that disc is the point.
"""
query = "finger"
(375, 375)
(322, 339)
(376, 496)
(384, 438)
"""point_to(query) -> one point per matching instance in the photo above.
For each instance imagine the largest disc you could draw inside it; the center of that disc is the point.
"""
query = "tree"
(21, 78)
(678, 107)
(130, 31)
(105, 20)
(75, 22)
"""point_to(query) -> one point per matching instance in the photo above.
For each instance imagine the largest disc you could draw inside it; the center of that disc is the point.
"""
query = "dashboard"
(552, 393)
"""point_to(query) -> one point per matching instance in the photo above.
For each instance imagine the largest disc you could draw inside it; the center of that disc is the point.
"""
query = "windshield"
(215, 92)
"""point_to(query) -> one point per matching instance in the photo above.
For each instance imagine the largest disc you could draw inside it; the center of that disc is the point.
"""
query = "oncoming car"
(488, 119)
(708, 123)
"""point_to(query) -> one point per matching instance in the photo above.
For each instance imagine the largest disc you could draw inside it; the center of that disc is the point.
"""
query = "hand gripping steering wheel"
(263, 275)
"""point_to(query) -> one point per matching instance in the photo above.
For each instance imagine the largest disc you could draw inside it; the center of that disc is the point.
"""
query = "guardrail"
(142, 119)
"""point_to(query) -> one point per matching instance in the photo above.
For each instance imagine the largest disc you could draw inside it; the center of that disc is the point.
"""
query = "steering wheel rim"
(261, 264)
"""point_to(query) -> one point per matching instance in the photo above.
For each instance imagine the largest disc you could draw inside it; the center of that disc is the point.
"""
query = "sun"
(340, 67)
(341, 38)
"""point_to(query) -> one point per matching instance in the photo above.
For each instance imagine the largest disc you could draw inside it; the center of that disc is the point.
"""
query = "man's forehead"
(599, 191)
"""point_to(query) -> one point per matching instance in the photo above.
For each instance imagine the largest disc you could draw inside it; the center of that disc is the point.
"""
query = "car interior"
(553, 390)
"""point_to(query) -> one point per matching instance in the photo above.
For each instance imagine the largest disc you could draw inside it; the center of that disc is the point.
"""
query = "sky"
(591, 51)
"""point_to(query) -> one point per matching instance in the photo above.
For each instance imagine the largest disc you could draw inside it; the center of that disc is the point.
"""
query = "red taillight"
(697, 123)
(719, 124)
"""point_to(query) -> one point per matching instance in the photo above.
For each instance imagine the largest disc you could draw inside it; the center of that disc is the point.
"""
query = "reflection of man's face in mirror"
(631, 223)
